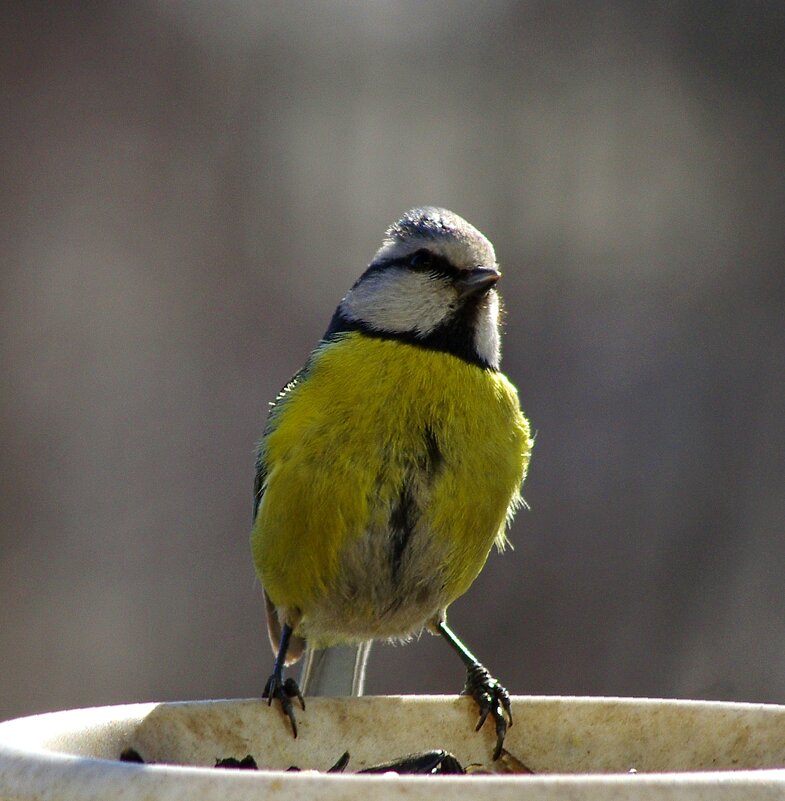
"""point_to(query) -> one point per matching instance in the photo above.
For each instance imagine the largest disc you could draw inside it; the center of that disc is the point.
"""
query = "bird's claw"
(284, 691)
(493, 699)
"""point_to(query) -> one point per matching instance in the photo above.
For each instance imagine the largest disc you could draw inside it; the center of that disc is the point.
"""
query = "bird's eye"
(421, 260)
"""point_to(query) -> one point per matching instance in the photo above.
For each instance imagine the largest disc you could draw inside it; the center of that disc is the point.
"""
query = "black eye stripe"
(421, 261)
(426, 261)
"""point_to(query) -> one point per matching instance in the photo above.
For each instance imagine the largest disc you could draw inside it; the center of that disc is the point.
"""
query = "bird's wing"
(296, 644)
(260, 476)
(258, 483)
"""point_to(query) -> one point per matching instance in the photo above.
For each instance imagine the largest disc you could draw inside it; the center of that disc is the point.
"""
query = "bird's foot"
(284, 691)
(493, 699)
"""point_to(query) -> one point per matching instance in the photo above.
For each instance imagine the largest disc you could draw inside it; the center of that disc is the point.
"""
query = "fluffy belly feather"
(390, 583)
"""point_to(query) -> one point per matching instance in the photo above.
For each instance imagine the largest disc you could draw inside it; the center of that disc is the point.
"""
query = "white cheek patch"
(487, 342)
(400, 301)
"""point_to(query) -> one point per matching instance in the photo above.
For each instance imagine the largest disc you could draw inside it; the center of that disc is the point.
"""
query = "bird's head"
(432, 283)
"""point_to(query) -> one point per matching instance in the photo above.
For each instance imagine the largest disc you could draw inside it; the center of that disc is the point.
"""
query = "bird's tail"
(339, 670)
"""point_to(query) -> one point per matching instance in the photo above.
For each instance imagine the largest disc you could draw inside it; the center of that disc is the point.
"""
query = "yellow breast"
(344, 438)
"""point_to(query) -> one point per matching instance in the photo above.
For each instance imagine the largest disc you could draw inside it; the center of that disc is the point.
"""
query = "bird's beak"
(476, 281)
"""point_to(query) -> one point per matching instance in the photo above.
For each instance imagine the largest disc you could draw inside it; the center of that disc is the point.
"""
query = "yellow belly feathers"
(371, 417)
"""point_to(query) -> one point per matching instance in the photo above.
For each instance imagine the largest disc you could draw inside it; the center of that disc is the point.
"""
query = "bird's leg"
(490, 696)
(276, 687)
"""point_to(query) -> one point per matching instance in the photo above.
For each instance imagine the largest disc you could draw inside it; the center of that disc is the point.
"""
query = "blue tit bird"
(393, 461)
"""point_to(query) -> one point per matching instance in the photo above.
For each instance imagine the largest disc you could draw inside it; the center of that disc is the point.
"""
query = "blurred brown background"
(187, 190)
